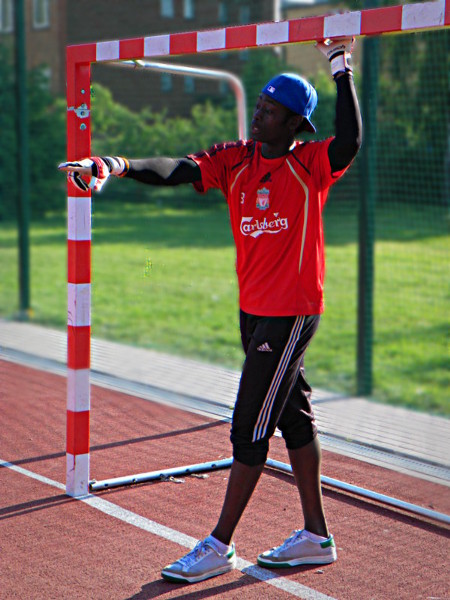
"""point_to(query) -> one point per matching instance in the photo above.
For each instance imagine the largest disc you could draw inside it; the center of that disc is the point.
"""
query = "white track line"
(271, 578)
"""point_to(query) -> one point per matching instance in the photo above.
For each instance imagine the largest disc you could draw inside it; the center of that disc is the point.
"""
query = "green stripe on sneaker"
(231, 553)
(272, 565)
(327, 543)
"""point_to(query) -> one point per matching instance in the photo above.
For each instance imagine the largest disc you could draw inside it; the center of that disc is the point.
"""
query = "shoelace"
(294, 537)
(200, 549)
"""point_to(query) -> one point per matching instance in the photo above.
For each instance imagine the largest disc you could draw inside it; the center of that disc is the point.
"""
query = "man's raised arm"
(348, 136)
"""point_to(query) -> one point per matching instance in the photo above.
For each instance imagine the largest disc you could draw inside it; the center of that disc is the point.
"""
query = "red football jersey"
(275, 208)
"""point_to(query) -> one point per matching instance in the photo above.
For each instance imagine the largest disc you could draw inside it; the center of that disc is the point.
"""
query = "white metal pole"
(381, 498)
(234, 82)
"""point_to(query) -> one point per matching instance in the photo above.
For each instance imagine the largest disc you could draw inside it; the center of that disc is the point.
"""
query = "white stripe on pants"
(264, 416)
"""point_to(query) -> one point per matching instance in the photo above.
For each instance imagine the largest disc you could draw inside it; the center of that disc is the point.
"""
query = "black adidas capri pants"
(273, 391)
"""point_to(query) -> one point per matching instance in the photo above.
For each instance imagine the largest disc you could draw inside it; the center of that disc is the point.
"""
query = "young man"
(276, 189)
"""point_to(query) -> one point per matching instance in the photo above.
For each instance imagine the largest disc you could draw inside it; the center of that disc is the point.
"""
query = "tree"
(47, 142)
(413, 117)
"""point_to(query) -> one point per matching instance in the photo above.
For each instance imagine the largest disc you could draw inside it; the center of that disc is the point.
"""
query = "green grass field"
(163, 278)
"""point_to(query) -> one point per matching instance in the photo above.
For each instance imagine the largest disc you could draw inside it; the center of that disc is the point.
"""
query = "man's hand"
(338, 51)
(88, 173)
(93, 172)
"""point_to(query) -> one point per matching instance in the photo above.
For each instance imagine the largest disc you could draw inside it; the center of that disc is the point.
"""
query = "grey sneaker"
(202, 562)
(298, 549)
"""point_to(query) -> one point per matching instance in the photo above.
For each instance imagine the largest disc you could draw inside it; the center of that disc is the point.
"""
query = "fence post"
(366, 262)
(23, 197)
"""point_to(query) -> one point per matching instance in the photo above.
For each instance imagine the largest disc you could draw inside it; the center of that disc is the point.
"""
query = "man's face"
(272, 122)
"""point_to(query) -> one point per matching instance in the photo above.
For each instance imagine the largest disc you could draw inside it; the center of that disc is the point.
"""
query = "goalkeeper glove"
(338, 51)
(92, 173)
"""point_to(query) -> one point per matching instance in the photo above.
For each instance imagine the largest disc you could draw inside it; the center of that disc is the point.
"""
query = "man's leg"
(305, 464)
(269, 344)
(273, 347)
(242, 482)
(312, 545)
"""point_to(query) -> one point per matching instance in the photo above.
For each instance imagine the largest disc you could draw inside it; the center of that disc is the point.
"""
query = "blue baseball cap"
(295, 93)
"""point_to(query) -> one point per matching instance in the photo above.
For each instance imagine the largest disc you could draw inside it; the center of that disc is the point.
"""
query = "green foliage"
(414, 117)
(8, 147)
(118, 130)
(47, 123)
(46, 143)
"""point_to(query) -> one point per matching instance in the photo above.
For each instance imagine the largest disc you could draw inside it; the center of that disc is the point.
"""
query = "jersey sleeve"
(315, 157)
(213, 165)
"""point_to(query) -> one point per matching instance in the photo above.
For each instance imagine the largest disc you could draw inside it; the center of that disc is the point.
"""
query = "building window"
(244, 14)
(167, 8)
(41, 14)
(166, 82)
(189, 85)
(6, 16)
(223, 13)
(188, 9)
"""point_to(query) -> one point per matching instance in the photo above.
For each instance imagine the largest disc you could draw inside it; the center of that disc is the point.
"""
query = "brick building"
(51, 25)
(46, 36)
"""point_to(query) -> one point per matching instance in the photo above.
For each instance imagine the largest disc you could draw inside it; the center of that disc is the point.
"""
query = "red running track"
(53, 546)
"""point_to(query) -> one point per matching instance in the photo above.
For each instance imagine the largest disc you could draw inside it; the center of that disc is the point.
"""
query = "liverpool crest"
(262, 199)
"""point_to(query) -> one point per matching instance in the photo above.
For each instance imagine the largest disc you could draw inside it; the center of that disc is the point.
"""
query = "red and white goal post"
(378, 21)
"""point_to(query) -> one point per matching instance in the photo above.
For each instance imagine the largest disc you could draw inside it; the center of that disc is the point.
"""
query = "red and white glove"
(338, 51)
(92, 173)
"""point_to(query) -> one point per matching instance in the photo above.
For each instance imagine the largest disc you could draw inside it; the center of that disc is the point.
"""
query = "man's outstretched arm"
(93, 172)
(164, 171)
